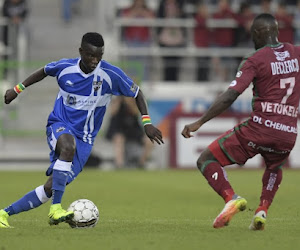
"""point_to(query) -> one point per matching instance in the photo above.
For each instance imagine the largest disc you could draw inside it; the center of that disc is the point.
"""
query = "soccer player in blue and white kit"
(86, 85)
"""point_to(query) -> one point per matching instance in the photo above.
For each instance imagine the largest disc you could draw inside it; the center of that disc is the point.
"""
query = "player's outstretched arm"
(223, 102)
(12, 93)
(152, 132)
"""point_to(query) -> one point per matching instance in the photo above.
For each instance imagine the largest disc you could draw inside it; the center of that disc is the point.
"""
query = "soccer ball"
(86, 214)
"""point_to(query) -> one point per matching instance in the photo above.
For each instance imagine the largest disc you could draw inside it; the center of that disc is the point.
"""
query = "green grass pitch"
(154, 210)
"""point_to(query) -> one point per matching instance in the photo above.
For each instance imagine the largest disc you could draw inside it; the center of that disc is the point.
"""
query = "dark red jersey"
(274, 72)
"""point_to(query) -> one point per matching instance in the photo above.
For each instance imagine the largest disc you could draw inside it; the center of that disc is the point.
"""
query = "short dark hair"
(93, 38)
(265, 17)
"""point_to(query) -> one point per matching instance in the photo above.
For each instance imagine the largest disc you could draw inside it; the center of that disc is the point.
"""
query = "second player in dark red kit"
(271, 129)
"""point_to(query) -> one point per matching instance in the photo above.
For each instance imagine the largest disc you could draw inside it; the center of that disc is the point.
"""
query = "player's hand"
(153, 133)
(10, 95)
(186, 132)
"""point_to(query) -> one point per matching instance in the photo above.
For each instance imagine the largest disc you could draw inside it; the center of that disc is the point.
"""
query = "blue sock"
(59, 183)
(57, 196)
(31, 200)
(27, 202)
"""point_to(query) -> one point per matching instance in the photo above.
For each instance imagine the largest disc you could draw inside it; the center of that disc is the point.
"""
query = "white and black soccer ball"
(86, 214)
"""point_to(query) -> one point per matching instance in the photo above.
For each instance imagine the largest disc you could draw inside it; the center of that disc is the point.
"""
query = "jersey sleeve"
(123, 84)
(54, 68)
(245, 75)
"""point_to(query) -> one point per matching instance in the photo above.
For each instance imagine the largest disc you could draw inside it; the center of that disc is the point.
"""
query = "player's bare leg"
(217, 179)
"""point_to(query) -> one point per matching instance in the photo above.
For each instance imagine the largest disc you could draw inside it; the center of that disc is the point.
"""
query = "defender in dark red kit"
(271, 130)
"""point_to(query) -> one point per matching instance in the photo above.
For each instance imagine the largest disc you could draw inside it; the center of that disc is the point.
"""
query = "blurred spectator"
(223, 37)
(202, 36)
(16, 11)
(244, 19)
(69, 7)
(297, 22)
(126, 132)
(285, 24)
(171, 37)
(291, 2)
(138, 36)
(254, 2)
(265, 6)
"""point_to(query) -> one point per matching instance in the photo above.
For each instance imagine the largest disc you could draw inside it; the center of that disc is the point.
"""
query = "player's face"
(256, 38)
(90, 57)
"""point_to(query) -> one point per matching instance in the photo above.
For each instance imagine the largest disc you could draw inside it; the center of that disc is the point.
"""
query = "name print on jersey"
(289, 66)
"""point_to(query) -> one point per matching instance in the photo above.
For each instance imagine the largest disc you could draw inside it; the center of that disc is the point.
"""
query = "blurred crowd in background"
(174, 41)
(205, 25)
(216, 24)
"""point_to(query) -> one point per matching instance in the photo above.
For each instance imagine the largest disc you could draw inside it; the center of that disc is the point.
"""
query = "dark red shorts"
(242, 143)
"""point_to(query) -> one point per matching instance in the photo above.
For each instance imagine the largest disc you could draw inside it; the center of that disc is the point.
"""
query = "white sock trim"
(62, 165)
(41, 194)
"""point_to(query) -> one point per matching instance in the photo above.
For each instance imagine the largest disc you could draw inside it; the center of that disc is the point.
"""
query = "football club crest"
(97, 85)
(280, 56)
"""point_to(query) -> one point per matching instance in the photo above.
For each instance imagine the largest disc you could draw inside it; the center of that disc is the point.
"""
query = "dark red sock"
(217, 179)
(271, 181)
(261, 208)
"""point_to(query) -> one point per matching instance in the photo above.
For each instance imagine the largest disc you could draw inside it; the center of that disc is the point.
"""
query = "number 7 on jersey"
(283, 83)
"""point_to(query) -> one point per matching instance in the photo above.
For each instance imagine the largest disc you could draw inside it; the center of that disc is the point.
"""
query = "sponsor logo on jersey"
(279, 108)
(71, 100)
(239, 74)
(97, 85)
(275, 125)
(280, 56)
(133, 88)
(60, 129)
(266, 149)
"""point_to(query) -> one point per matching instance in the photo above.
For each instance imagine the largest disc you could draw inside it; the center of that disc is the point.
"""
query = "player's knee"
(206, 155)
(67, 151)
(66, 147)
(200, 162)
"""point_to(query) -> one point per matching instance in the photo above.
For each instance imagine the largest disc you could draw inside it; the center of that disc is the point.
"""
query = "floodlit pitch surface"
(154, 210)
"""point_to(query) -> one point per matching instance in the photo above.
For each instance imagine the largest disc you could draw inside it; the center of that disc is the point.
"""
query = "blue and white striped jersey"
(83, 98)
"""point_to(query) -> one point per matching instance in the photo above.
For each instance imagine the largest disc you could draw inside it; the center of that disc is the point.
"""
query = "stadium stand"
(49, 38)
